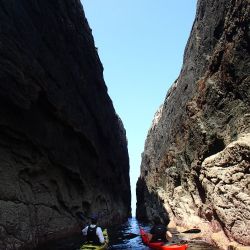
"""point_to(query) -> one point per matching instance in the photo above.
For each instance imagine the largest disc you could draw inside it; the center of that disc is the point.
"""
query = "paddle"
(99, 215)
(190, 231)
(82, 216)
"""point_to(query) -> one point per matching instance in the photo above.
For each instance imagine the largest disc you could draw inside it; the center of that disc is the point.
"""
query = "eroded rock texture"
(63, 149)
(196, 161)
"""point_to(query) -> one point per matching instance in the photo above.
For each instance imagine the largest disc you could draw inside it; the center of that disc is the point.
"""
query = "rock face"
(196, 159)
(63, 149)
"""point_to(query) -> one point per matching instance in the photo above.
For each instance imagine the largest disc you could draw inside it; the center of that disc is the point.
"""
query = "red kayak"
(161, 245)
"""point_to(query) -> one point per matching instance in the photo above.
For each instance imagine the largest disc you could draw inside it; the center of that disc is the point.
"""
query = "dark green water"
(120, 239)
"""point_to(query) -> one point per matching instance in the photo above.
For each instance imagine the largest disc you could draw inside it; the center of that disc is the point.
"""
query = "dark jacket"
(92, 237)
(159, 233)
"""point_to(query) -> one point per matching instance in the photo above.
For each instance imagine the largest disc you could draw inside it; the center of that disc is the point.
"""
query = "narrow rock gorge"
(195, 166)
(63, 148)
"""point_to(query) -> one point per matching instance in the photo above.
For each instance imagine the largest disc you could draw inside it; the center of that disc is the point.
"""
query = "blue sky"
(141, 45)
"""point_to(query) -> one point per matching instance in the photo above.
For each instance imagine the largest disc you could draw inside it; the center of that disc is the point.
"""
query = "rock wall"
(63, 148)
(195, 165)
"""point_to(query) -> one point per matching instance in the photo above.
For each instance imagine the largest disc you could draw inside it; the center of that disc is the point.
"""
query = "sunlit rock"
(195, 164)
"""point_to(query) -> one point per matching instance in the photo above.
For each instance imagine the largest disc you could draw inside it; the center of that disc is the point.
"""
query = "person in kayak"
(159, 232)
(93, 232)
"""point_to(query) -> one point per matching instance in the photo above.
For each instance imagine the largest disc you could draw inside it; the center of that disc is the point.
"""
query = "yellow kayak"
(97, 247)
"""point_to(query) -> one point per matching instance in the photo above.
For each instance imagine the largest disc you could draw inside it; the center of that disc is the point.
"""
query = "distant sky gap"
(141, 45)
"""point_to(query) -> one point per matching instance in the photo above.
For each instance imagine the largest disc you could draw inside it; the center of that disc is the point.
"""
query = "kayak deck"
(97, 247)
(161, 245)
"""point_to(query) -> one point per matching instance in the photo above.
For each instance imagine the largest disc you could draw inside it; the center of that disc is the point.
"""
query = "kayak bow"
(161, 245)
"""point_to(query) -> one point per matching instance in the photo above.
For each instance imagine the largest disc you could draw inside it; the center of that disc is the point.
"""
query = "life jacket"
(159, 233)
(91, 236)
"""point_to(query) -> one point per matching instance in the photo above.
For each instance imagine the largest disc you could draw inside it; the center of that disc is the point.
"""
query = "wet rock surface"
(195, 163)
(63, 148)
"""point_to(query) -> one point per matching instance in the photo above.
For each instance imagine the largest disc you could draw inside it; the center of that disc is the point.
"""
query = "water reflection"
(120, 236)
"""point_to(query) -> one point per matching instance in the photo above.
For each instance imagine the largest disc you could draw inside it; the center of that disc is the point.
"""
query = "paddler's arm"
(100, 235)
(169, 236)
(150, 236)
(85, 231)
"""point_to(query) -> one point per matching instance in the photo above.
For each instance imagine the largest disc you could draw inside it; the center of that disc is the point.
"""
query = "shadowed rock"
(63, 149)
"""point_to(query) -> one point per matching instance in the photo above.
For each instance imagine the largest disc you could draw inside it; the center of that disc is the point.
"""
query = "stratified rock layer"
(196, 159)
(63, 149)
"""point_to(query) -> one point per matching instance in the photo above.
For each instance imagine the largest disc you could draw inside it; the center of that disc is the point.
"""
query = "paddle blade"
(192, 231)
(129, 236)
(80, 215)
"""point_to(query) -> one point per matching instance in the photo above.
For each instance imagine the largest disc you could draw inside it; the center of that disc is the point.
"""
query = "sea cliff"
(63, 148)
(196, 160)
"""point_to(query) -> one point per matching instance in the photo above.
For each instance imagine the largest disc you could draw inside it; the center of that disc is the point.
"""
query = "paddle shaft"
(193, 230)
(190, 231)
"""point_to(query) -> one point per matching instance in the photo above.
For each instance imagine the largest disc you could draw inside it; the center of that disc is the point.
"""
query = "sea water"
(121, 237)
